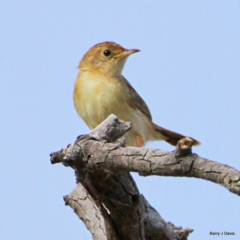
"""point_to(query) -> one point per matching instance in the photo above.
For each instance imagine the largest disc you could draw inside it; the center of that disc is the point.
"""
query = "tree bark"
(107, 198)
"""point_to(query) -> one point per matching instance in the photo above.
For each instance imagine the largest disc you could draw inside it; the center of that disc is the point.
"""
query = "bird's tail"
(170, 136)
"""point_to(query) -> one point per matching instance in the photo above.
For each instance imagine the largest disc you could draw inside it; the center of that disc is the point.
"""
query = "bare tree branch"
(84, 206)
(102, 165)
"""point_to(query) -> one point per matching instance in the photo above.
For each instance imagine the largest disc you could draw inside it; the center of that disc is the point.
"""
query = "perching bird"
(101, 90)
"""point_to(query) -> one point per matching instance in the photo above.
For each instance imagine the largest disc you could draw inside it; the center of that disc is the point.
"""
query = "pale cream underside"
(96, 97)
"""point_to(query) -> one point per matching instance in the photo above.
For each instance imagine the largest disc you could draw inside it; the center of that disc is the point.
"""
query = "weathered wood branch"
(83, 204)
(102, 164)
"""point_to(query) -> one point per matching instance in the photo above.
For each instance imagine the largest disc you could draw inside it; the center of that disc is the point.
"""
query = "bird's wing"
(135, 101)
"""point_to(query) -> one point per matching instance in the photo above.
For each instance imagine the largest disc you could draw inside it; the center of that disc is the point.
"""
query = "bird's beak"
(127, 53)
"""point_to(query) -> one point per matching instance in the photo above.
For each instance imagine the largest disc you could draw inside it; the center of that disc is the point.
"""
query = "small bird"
(101, 90)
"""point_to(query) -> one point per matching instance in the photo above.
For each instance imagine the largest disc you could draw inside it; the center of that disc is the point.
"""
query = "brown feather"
(171, 137)
(135, 100)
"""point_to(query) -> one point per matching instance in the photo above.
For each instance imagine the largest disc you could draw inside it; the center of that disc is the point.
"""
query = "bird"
(101, 90)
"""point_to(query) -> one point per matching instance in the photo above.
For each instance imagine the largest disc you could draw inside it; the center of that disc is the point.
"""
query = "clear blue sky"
(188, 72)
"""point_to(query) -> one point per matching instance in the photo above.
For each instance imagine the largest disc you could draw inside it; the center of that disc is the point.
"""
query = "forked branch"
(102, 166)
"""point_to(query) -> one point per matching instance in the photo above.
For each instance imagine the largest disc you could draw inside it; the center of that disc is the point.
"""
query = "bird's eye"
(106, 53)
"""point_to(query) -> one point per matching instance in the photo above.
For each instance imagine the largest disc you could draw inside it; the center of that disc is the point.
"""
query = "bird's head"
(107, 57)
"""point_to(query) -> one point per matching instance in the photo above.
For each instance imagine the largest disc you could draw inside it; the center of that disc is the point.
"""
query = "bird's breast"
(96, 97)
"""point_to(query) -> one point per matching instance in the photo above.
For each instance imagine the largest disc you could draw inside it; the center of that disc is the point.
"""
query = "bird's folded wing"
(135, 101)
